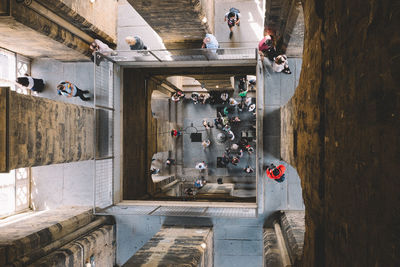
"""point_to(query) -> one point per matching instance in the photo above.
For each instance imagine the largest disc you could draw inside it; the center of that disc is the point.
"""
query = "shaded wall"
(143, 135)
(42, 131)
(176, 246)
(341, 130)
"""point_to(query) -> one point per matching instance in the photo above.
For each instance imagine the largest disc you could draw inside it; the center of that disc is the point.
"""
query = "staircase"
(283, 239)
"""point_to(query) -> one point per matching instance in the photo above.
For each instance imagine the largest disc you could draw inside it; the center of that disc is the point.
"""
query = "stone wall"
(176, 246)
(67, 236)
(42, 131)
(61, 29)
(341, 131)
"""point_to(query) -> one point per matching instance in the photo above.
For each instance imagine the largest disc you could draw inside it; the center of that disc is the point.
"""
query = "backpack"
(234, 10)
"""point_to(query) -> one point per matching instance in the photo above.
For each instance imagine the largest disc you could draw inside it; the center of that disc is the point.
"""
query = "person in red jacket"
(276, 173)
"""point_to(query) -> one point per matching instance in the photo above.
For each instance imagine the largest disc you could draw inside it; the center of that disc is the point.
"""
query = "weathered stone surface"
(97, 19)
(341, 130)
(59, 29)
(186, 29)
(39, 229)
(99, 245)
(272, 256)
(293, 227)
(44, 132)
(176, 246)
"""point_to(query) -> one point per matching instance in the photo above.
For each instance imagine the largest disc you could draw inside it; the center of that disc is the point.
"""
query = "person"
(249, 149)
(200, 182)
(247, 101)
(224, 97)
(240, 106)
(69, 89)
(248, 169)
(232, 18)
(276, 173)
(252, 107)
(135, 43)
(207, 124)
(231, 135)
(225, 159)
(235, 119)
(252, 83)
(233, 102)
(218, 121)
(280, 64)
(34, 84)
(203, 98)
(243, 94)
(189, 191)
(234, 147)
(242, 84)
(99, 46)
(226, 128)
(177, 96)
(264, 45)
(195, 98)
(201, 166)
(206, 143)
(240, 153)
(210, 42)
(266, 48)
(235, 161)
(154, 170)
(175, 133)
(169, 162)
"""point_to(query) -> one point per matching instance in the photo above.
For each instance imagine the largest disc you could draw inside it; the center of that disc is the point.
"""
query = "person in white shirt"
(201, 166)
(280, 64)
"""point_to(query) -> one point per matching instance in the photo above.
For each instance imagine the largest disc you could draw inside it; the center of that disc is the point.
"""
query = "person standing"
(31, 83)
(276, 173)
(169, 162)
(232, 18)
(69, 89)
(175, 133)
(99, 46)
(135, 43)
(201, 166)
(210, 42)
(248, 169)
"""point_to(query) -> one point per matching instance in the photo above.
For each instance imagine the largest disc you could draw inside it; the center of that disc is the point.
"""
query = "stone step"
(24, 236)
(272, 256)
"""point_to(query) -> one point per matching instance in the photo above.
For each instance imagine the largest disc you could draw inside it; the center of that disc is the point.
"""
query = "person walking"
(34, 84)
(69, 89)
(135, 43)
(276, 173)
(232, 18)
(206, 143)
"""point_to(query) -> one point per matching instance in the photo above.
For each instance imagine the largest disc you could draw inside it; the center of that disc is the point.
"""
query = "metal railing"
(172, 55)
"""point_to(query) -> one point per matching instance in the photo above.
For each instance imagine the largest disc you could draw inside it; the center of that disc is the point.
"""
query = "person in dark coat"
(31, 83)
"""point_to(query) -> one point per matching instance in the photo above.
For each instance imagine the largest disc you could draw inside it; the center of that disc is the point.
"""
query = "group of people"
(267, 50)
(64, 88)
